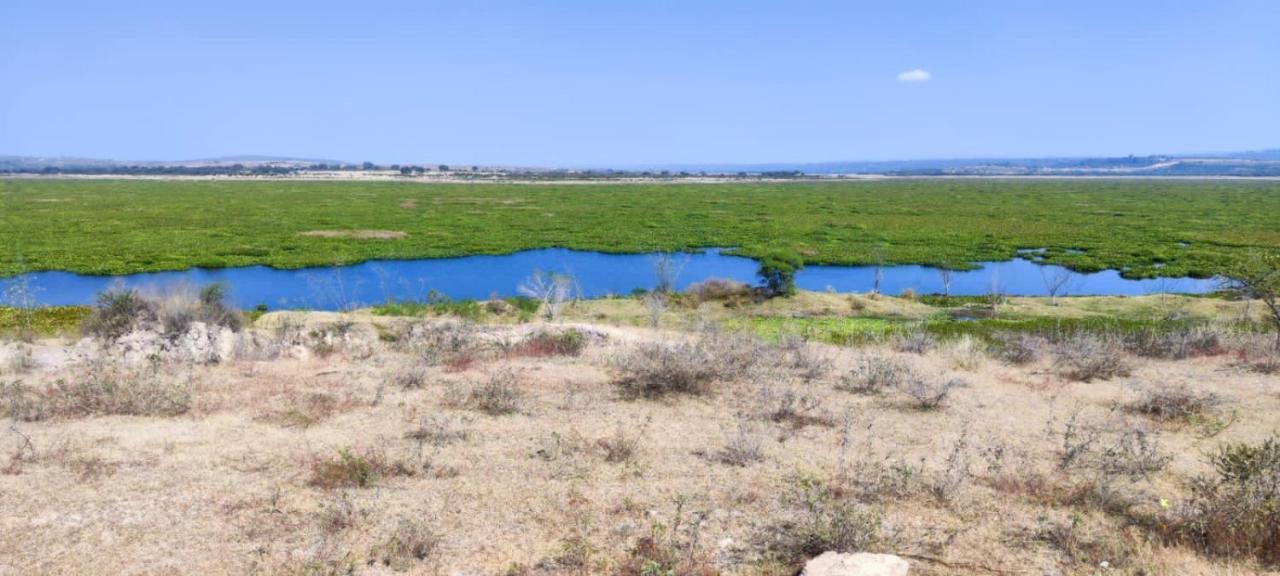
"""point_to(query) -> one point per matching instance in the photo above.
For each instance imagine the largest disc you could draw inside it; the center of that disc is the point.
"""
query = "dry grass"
(752, 462)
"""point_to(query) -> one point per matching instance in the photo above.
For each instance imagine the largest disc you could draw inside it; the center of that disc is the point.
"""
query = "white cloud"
(916, 75)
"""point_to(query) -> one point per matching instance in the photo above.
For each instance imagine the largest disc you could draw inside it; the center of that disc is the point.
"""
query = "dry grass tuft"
(1174, 403)
(349, 468)
(546, 343)
(663, 369)
(412, 540)
(916, 342)
(930, 393)
(620, 447)
(744, 445)
(498, 395)
(1020, 349)
(439, 430)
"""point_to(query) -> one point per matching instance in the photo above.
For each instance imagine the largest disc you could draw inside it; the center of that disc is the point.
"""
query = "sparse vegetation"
(498, 394)
(737, 416)
(1087, 357)
(1175, 403)
(875, 374)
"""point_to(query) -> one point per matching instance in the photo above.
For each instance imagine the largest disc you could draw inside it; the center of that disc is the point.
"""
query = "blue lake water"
(597, 274)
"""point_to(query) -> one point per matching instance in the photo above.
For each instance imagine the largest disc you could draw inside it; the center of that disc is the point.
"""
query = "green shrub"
(819, 519)
(116, 312)
(1236, 513)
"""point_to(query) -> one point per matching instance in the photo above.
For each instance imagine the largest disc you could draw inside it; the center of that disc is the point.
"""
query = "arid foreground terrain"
(322, 443)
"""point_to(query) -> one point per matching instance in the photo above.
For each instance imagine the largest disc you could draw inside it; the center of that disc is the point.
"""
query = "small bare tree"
(1056, 282)
(995, 294)
(551, 290)
(666, 270)
(1258, 278)
(877, 256)
(945, 274)
(19, 295)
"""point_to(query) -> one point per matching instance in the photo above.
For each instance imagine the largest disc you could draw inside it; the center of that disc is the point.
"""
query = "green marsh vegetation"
(1145, 228)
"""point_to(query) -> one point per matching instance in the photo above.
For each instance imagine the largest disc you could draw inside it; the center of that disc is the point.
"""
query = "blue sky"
(612, 82)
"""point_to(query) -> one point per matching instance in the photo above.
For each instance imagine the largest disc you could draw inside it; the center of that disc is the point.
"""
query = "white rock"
(861, 564)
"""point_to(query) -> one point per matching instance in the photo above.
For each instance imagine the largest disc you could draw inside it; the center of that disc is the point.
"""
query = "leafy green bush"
(778, 273)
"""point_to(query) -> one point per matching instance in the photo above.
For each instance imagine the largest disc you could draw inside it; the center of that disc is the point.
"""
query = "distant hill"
(1252, 163)
(70, 163)
(1239, 164)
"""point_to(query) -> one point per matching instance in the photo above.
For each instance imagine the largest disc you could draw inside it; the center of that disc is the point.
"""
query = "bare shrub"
(349, 468)
(1078, 440)
(1114, 447)
(955, 472)
(183, 306)
(794, 407)
(412, 540)
(1135, 452)
(1020, 349)
(1174, 403)
(116, 312)
(916, 342)
(296, 409)
(411, 378)
(546, 343)
(806, 361)
(1236, 512)
(713, 289)
(661, 369)
(498, 395)
(21, 402)
(874, 374)
(1086, 357)
(1176, 344)
(1087, 546)
(550, 289)
(929, 392)
(744, 444)
(1259, 356)
(817, 518)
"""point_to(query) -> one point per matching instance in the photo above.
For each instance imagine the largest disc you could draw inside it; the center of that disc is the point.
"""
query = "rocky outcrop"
(861, 564)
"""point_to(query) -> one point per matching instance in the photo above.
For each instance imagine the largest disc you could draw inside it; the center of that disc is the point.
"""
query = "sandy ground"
(230, 486)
